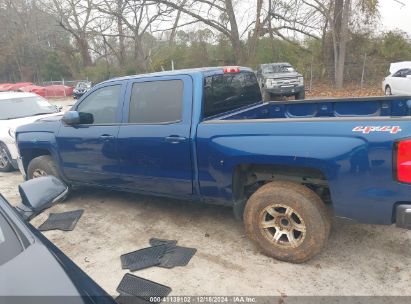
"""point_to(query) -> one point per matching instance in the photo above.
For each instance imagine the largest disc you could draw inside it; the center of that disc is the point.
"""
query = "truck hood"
(45, 124)
(281, 75)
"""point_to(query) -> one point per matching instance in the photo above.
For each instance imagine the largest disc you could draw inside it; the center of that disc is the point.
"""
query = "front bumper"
(20, 166)
(403, 216)
(285, 90)
(12, 153)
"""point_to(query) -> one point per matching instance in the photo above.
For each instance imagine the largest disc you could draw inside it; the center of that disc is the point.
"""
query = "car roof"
(11, 95)
(179, 72)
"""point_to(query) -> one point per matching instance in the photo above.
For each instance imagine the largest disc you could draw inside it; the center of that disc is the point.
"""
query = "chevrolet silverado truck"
(280, 80)
(206, 135)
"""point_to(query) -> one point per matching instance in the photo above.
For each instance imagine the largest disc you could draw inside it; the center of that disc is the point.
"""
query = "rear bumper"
(403, 216)
(284, 91)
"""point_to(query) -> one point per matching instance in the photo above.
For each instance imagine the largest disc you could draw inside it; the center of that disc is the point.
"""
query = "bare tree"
(137, 17)
(218, 14)
(315, 18)
(76, 17)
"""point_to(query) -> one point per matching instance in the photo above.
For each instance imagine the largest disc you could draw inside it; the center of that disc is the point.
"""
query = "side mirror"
(39, 194)
(71, 118)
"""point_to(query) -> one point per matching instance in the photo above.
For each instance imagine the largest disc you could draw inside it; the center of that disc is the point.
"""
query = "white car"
(18, 109)
(399, 81)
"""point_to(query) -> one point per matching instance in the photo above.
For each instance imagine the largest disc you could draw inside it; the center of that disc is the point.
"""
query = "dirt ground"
(358, 260)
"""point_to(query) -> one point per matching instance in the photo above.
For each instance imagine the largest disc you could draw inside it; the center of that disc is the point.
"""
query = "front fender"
(34, 144)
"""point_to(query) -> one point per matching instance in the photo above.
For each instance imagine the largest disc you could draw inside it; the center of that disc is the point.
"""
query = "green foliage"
(394, 46)
(53, 68)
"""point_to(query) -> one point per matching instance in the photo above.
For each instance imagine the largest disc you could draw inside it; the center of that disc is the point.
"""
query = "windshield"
(83, 85)
(277, 68)
(226, 92)
(24, 107)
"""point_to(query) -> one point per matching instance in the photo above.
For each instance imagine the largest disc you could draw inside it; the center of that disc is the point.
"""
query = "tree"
(75, 16)
(138, 17)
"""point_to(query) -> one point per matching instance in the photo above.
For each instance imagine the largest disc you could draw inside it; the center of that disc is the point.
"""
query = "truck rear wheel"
(42, 166)
(287, 221)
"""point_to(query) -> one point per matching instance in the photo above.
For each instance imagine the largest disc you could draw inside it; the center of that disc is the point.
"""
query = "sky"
(395, 15)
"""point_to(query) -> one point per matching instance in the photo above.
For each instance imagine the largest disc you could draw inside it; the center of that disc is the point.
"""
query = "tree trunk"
(239, 56)
(121, 53)
(253, 42)
(174, 29)
(139, 55)
(342, 44)
(84, 51)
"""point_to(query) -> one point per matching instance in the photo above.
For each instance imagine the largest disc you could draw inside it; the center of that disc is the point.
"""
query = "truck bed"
(385, 106)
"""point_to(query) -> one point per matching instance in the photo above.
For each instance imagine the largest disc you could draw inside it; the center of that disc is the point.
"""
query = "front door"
(88, 151)
(154, 140)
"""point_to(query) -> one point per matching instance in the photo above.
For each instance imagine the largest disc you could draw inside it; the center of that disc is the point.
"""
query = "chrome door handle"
(175, 139)
(106, 137)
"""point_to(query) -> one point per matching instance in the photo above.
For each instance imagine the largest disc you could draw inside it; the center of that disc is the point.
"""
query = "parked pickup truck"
(206, 135)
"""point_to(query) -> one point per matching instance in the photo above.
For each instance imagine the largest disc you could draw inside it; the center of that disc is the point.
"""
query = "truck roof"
(203, 70)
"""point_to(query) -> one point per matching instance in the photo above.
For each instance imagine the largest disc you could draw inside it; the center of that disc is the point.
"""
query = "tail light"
(231, 69)
(403, 165)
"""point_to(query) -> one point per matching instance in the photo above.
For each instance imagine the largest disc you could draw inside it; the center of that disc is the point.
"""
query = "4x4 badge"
(369, 129)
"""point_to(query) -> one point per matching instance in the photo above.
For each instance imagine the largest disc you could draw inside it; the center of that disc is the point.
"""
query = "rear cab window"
(229, 91)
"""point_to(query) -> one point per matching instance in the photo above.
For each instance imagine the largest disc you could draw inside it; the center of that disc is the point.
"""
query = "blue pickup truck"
(206, 135)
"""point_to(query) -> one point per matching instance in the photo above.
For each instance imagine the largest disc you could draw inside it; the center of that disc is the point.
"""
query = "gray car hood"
(282, 75)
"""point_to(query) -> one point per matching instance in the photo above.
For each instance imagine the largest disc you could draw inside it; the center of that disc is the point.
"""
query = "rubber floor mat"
(65, 221)
(132, 285)
(177, 256)
(156, 241)
(143, 258)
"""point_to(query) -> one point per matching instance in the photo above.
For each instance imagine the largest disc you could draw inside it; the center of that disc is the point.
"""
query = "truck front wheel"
(266, 96)
(287, 221)
(300, 95)
(42, 166)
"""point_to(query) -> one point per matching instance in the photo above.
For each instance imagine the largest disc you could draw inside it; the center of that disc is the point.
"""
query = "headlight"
(12, 133)
(301, 80)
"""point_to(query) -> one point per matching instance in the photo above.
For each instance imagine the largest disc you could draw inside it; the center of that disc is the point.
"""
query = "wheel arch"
(248, 178)
(29, 154)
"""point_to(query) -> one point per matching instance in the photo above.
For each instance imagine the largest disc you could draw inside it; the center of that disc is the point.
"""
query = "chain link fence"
(365, 73)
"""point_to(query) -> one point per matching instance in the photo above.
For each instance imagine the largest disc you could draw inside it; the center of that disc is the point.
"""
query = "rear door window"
(230, 91)
(156, 102)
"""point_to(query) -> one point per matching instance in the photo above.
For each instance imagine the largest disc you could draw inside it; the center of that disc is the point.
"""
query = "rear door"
(88, 151)
(154, 139)
(399, 82)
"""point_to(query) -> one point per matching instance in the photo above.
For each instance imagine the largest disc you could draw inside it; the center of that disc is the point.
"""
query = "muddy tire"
(300, 95)
(266, 96)
(287, 221)
(5, 165)
(42, 166)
